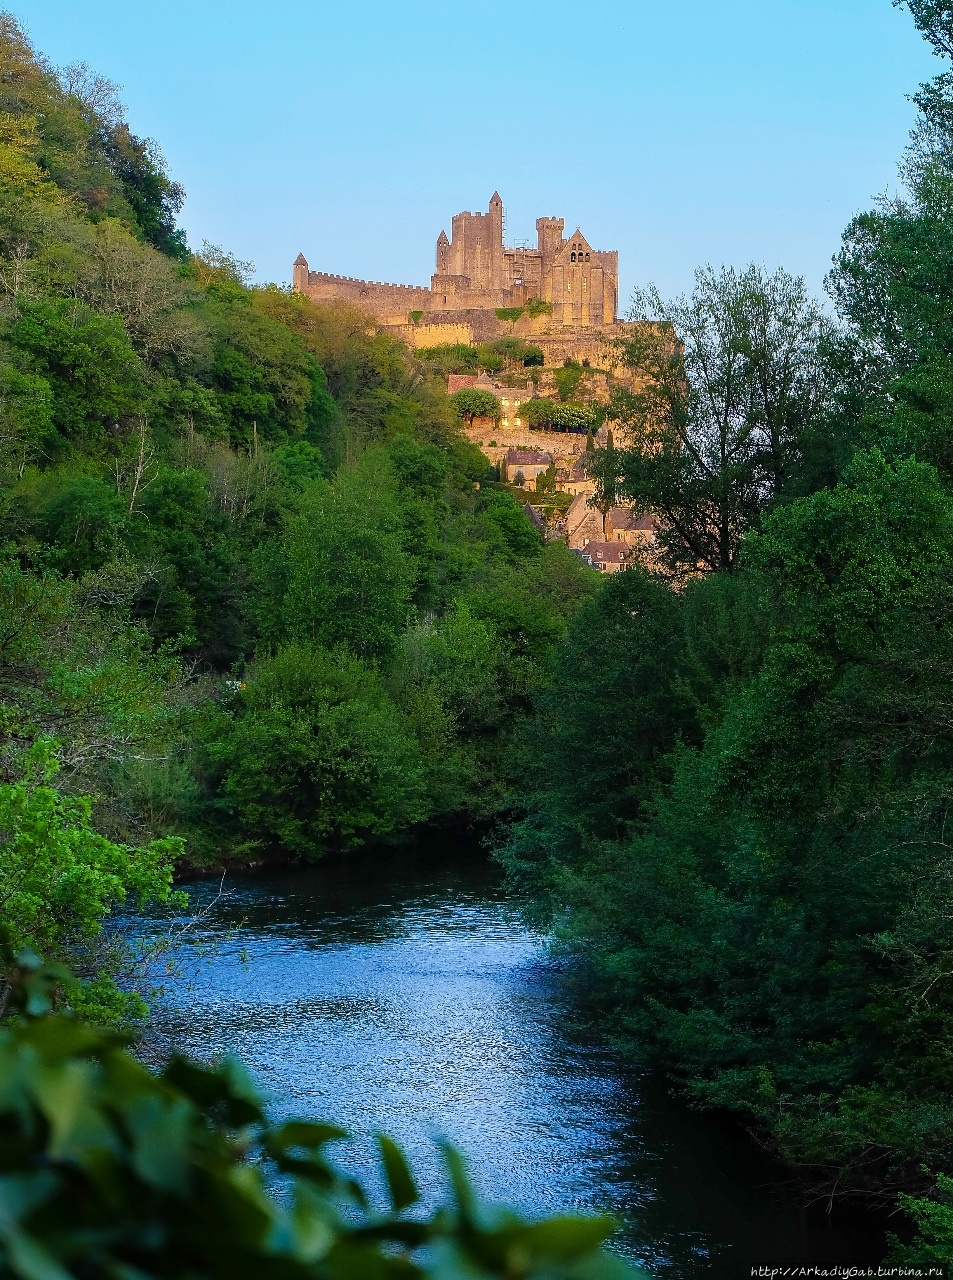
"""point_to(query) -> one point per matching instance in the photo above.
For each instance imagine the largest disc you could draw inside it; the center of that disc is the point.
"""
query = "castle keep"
(477, 276)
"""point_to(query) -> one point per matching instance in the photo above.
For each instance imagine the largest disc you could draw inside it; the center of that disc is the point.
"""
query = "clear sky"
(678, 132)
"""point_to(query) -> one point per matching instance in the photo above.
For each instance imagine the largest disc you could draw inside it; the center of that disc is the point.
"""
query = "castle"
(477, 277)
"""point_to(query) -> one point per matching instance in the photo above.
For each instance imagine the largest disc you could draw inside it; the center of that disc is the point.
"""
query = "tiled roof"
(606, 552)
(527, 458)
(624, 518)
(457, 381)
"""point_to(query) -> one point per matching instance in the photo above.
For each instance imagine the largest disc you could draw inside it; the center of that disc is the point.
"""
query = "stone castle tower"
(477, 275)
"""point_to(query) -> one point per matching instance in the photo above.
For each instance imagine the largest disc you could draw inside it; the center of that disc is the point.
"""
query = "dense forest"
(260, 597)
(754, 860)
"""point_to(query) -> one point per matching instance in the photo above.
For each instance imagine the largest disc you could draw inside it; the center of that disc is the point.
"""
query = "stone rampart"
(561, 444)
(386, 302)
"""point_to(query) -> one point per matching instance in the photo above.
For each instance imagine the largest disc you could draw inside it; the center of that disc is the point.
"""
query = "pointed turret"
(495, 198)
(443, 254)
(299, 274)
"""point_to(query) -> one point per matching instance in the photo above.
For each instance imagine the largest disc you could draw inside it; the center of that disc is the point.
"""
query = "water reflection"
(405, 995)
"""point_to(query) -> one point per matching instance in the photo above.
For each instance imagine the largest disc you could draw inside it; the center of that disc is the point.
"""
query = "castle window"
(445, 297)
(505, 401)
(572, 257)
(587, 257)
(517, 422)
(506, 422)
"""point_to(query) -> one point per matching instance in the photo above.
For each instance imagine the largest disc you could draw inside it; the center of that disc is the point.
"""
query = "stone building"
(477, 275)
(528, 463)
(583, 523)
(609, 557)
(623, 525)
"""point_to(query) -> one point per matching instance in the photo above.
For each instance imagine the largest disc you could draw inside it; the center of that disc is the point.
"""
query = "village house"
(623, 525)
(510, 398)
(608, 557)
(573, 479)
(536, 518)
(583, 523)
(525, 463)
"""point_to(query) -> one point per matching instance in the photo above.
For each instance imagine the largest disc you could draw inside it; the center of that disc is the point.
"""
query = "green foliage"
(451, 357)
(109, 1169)
(546, 480)
(933, 1245)
(736, 384)
(476, 402)
(538, 412)
(552, 415)
(317, 756)
(537, 307)
(349, 579)
(60, 877)
(87, 360)
(568, 378)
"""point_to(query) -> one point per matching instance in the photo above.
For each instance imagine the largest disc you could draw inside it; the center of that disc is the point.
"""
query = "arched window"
(587, 257)
(572, 257)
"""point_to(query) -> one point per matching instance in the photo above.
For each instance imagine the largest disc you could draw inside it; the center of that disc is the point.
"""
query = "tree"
(317, 756)
(475, 402)
(59, 877)
(88, 361)
(573, 417)
(26, 418)
(734, 383)
(349, 580)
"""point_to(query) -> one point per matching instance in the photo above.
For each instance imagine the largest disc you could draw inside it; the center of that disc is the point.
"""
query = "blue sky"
(679, 133)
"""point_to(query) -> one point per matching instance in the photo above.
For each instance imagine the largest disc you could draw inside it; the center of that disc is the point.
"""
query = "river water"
(403, 993)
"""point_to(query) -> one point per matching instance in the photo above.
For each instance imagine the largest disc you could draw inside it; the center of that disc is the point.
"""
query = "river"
(402, 992)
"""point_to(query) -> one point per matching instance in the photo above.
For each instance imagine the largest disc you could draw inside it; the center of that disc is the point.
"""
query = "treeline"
(737, 783)
(257, 591)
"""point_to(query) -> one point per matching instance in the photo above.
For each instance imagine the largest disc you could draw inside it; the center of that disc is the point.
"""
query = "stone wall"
(562, 445)
(387, 303)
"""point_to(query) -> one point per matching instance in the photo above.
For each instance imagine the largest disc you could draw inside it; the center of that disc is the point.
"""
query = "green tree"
(317, 756)
(735, 389)
(60, 877)
(88, 361)
(86, 524)
(349, 580)
(26, 419)
(475, 402)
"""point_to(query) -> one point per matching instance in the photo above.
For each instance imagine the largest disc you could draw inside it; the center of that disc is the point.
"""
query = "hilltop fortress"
(477, 277)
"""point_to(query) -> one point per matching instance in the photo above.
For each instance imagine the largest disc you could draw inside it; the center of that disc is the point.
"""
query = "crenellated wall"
(388, 303)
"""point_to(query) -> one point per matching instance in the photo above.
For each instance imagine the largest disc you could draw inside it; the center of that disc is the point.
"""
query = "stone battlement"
(325, 277)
